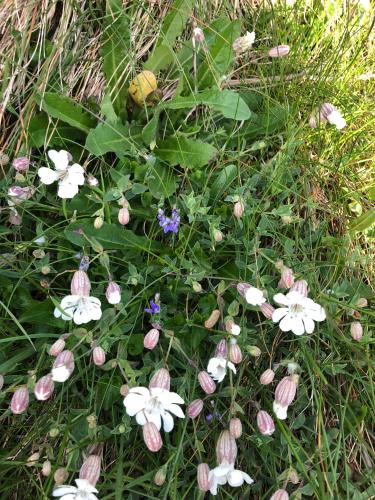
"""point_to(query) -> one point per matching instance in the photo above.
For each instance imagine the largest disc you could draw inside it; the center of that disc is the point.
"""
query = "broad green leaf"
(266, 123)
(67, 110)
(364, 222)
(227, 102)
(115, 53)
(185, 152)
(42, 132)
(223, 180)
(219, 58)
(109, 137)
(161, 181)
(150, 129)
(173, 25)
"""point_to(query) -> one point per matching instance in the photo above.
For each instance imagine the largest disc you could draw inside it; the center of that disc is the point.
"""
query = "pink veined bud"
(279, 51)
(90, 469)
(313, 121)
(221, 349)
(206, 382)
(161, 379)
(80, 284)
(218, 236)
(300, 286)
(235, 354)
(267, 310)
(98, 356)
(325, 110)
(21, 164)
(265, 423)
(238, 209)
(267, 377)
(44, 388)
(226, 448)
(123, 216)
(280, 495)
(60, 476)
(1, 381)
(203, 472)
(195, 408)
(235, 428)
(285, 391)
(113, 293)
(46, 468)
(20, 193)
(151, 339)
(242, 288)
(152, 437)
(57, 347)
(198, 35)
(160, 476)
(287, 278)
(20, 401)
(63, 366)
(213, 319)
(356, 330)
(232, 328)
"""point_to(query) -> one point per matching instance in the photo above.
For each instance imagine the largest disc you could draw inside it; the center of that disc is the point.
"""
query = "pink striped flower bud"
(221, 349)
(63, 366)
(280, 495)
(161, 379)
(267, 377)
(287, 278)
(267, 310)
(61, 476)
(123, 216)
(98, 356)
(242, 288)
(300, 286)
(46, 468)
(235, 428)
(80, 284)
(232, 328)
(213, 319)
(20, 401)
(238, 209)
(279, 51)
(265, 423)
(113, 293)
(203, 472)
(44, 388)
(57, 347)
(18, 193)
(226, 448)
(325, 110)
(285, 391)
(152, 437)
(90, 469)
(21, 164)
(151, 339)
(206, 382)
(235, 354)
(356, 330)
(195, 408)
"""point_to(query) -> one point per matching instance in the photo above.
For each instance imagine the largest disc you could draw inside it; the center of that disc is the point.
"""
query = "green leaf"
(161, 181)
(364, 222)
(150, 129)
(223, 180)
(42, 132)
(109, 137)
(173, 25)
(185, 152)
(115, 53)
(227, 102)
(67, 110)
(220, 36)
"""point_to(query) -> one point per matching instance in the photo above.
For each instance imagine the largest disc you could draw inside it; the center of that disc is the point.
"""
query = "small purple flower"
(169, 224)
(209, 417)
(84, 263)
(153, 309)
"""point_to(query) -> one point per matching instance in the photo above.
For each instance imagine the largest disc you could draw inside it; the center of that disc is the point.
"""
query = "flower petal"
(154, 417)
(59, 158)
(84, 485)
(64, 489)
(140, 390)
(176, 410)
(168, 422)
(309, 324)
(280, 411)
(318, 314)
(278, 314)
(286, 323)
(140, 418)
(298, 328)
(47, 175)
(67, 190)
(235, 478)
(281, 299)
(134, 403)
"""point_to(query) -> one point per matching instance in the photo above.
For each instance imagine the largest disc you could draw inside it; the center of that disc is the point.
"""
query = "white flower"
(336, 118)
(226, 473)
(298, 314)
(60, 374)
(280, 411)
(254, 296)
(152, 405)
(244, 43)
(217, 368)
(69, 177)
(83, 491)
(78, 308)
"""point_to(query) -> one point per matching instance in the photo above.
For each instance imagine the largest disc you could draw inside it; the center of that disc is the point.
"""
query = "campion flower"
(63, 366)
(169, 224)
(284, 394)
(21, 164)
(267, 310)
(265, 423)
(267, 377)
(18, 194)
(43, 389)
(232, 328)
(244, 43)
(206, 382)
(151, 339)
(90, 469)
(153, 309)
(287, 278)
(330, 113)
(194, 409)
(280, 495)
(83, 491)
(252, 295)
(198, 35)
(217, 368)
(279, 51)
(98, 356)
(154, 405)
(152, 437)
(298, 313)
(226, 473)
(235, 428)
(203, 471)
(20, 401)
(113, 293)
(69, 177)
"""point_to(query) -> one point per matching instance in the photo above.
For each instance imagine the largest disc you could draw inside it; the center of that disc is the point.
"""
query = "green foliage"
(185, 152)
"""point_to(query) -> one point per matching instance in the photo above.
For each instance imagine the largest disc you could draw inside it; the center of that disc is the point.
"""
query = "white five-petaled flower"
(83, 491)
(69, 177)
(78, 308)
(226, 473)
(217, 368)
(298, 313)
(153, 405)
(254, 296)
(244, 43)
